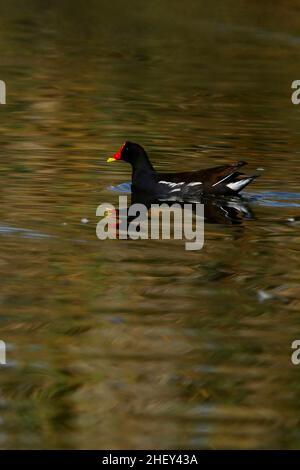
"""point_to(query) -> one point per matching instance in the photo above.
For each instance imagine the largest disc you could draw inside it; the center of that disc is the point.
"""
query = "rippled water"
(142, 344)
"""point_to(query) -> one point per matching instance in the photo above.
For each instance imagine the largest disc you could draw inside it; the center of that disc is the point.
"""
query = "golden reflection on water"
(143, 344)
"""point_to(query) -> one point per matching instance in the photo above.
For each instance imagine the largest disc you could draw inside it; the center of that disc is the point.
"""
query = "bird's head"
(129, 152)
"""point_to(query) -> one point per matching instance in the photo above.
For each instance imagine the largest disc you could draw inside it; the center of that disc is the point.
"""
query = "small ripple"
(274, 198)
(121, 188)
(8, 230)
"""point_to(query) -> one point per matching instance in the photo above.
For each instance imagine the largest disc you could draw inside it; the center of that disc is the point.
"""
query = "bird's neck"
(141, 163)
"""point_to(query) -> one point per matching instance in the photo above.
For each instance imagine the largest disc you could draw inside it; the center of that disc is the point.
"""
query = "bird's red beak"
(116, 156)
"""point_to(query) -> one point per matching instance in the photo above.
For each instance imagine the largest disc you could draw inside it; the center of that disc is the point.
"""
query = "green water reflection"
(143, 344)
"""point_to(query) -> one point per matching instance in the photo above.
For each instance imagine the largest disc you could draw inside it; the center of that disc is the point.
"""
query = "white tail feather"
(238, 185)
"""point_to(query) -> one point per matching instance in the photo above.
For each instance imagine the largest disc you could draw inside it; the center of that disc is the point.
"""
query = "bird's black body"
(224, 180)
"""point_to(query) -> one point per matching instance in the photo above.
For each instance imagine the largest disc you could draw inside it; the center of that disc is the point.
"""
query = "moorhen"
(223, 180)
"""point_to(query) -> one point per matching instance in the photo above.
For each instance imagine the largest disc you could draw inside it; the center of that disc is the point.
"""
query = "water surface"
(142, 344)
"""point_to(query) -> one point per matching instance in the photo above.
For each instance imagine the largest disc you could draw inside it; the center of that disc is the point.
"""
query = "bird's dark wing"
(209, 176)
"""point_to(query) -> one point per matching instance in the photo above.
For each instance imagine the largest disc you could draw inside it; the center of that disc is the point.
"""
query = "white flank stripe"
(174, 190)
(193, 184)
(218, 182)
(172, 185)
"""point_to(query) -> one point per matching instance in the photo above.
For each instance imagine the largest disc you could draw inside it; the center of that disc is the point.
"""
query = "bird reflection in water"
(217, 210)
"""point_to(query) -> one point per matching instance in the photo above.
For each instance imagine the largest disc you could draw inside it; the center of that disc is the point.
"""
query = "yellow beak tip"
(110, 159)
